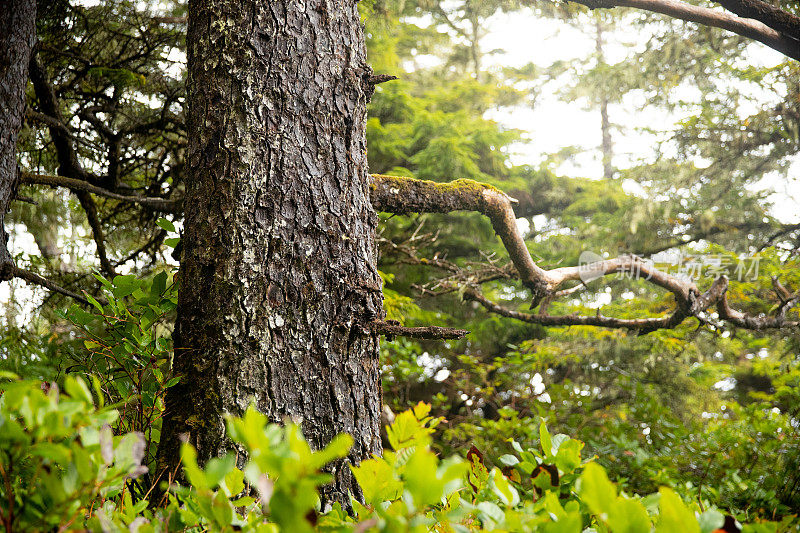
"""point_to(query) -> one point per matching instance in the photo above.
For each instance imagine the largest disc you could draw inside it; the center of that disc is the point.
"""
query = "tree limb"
(405, 195)
(36, 279)
(90, 208)
(68, 163)
(391, 329)
(746, 27)
(716, 294)
(163, 205)
(776, 18)
(641, 324)
(755, 322)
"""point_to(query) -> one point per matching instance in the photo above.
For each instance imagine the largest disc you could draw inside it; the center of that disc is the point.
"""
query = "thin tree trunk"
(17, 37)
(474, 48)
(278, 274)
(606, 147)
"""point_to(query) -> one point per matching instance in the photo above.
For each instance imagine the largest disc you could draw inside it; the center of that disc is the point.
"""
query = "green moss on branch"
(402, 195)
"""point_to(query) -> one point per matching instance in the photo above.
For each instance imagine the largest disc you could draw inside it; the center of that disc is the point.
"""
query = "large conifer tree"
(278, 273)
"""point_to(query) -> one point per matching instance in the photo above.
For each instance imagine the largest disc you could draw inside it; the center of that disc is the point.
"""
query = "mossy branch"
(408, 195)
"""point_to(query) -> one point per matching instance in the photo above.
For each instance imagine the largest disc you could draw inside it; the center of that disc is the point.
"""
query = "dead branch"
(391, 329)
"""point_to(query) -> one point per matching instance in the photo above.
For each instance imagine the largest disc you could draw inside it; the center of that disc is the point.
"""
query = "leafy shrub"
(128, 350)
(61, 467)
(59, 461)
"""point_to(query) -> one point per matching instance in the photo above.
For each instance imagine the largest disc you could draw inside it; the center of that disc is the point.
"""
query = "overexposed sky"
(554, 124)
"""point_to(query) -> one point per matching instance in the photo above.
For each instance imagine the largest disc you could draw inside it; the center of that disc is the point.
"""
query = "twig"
(391, 328)
(381, 78)
(36, 279)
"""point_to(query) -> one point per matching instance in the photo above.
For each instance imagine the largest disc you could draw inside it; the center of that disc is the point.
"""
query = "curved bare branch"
(746, 27)
(406, 195)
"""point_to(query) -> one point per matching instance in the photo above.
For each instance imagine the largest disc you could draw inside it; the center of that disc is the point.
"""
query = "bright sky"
(554, 124)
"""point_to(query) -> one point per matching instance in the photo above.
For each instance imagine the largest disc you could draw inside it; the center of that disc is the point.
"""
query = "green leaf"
(568, 457)
(421, 480)
(557, 441)
(159, 284)
(628, 516)
(94, 302)
(516, 446)
(222, 510)
(193, 472)
(710, 520)
(125, 285)
(509, 460)
(338, 447)
(218, 467)
(503, 489)
(544, 439)
(377, 480)
(56, 454)
(77, 390)
(596, 491)
(674, 515)
(166, 225)
(408, 430)
(490, 514)
(244, 501)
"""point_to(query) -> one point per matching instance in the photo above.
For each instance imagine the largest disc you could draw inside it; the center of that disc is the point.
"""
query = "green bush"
(62, 469)
(126, 346)
(59, 461)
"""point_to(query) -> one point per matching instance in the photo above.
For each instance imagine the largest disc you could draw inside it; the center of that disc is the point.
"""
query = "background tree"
(17, 24)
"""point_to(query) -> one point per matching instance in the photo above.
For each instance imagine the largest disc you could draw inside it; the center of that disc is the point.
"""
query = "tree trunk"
(278, 274)
(17, 36)
(606, 146)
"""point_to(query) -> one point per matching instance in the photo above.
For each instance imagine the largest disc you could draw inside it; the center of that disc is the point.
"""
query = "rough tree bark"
(278, 275)
(17, 36)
